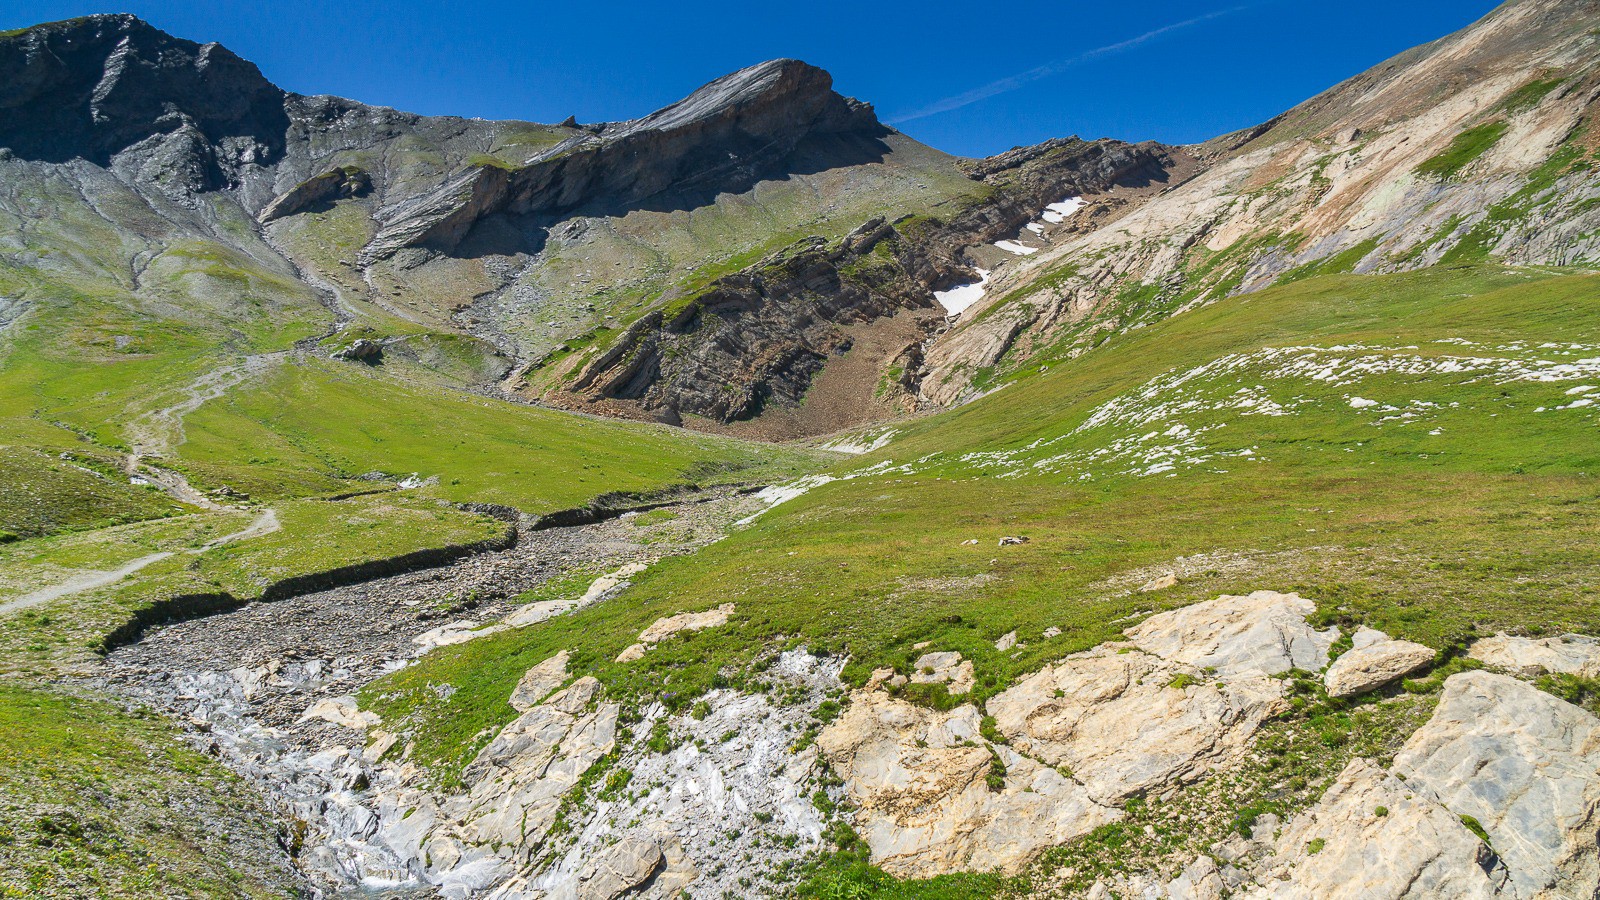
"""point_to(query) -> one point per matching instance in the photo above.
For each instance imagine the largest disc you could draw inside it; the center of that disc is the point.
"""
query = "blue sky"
(970, 78)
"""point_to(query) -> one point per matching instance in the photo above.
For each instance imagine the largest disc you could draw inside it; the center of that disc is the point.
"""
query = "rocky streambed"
(269, 688)
(1496, 794)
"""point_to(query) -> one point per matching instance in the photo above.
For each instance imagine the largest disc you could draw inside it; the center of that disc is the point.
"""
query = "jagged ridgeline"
(748, 500)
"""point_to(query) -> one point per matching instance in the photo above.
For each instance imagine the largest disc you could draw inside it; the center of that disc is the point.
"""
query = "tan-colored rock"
(1160, 584)
(381, 742)
(1006, 641)
(623, 867)
(881, 677)
(1526, 766)
(1569, 654)
(1374, 665)
(946, 668)
(632, 653)
(919, 779)
(342, 711)
(538, 682)
(1264, 633)
(1343, 849)
(666, 627)
(1124, 721)
(626, 867)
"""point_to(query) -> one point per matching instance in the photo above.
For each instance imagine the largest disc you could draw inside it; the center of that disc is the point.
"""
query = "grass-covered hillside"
(1415, 452)
(205, 367)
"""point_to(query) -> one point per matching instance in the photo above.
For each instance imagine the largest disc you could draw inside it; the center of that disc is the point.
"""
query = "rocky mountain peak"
(721, 138)
(94, 86)
(803, 90)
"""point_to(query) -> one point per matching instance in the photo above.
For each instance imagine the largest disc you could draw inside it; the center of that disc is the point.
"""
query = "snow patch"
(1056, 213)
(783, 493)
(1016, 249)
(956, 300)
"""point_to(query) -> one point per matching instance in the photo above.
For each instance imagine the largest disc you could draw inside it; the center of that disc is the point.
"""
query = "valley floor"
(984, 656)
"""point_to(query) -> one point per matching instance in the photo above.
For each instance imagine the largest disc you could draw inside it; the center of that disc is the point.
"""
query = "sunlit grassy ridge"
(327, 421)
(1472, 516)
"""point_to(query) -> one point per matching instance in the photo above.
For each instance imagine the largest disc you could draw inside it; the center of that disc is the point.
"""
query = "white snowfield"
(1056, 213)
(1016, 249)
(957, 299)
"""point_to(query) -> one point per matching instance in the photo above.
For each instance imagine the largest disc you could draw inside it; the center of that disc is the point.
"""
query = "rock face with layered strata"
(1365, 177)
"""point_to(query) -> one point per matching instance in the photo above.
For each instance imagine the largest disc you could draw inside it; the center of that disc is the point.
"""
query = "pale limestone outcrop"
(628, 868)
(1525, 765)
(1083, 735)
(919, 780)
(451, 633)
(1125, 721)
(946, 668)
(1569, 654)
(1199, 880)
(1374, 664)
(1375, 837)
(514, 788)
(668, 626)
(1263, 633)
(538, 682)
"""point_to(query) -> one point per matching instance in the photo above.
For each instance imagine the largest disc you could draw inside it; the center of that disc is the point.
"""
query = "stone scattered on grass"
(1374, 665)
(1569, 654)
(946, 668)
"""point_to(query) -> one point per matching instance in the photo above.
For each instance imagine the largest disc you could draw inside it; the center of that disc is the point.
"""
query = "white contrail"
(1004, 85)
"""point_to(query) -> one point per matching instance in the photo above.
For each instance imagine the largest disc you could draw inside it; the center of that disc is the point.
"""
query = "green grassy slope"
(97, 802)
(318, 421)
(1449, 505)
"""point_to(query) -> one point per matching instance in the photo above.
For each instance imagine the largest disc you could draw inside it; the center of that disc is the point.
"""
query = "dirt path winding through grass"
(156, 434)
(266, 522)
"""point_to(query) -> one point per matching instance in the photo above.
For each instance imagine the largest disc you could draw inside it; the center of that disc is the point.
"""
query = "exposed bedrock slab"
(1126, 722)
(1263, 633)
(919, 778)
(1524, 764)
(1375, 837)
(1569, 654)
